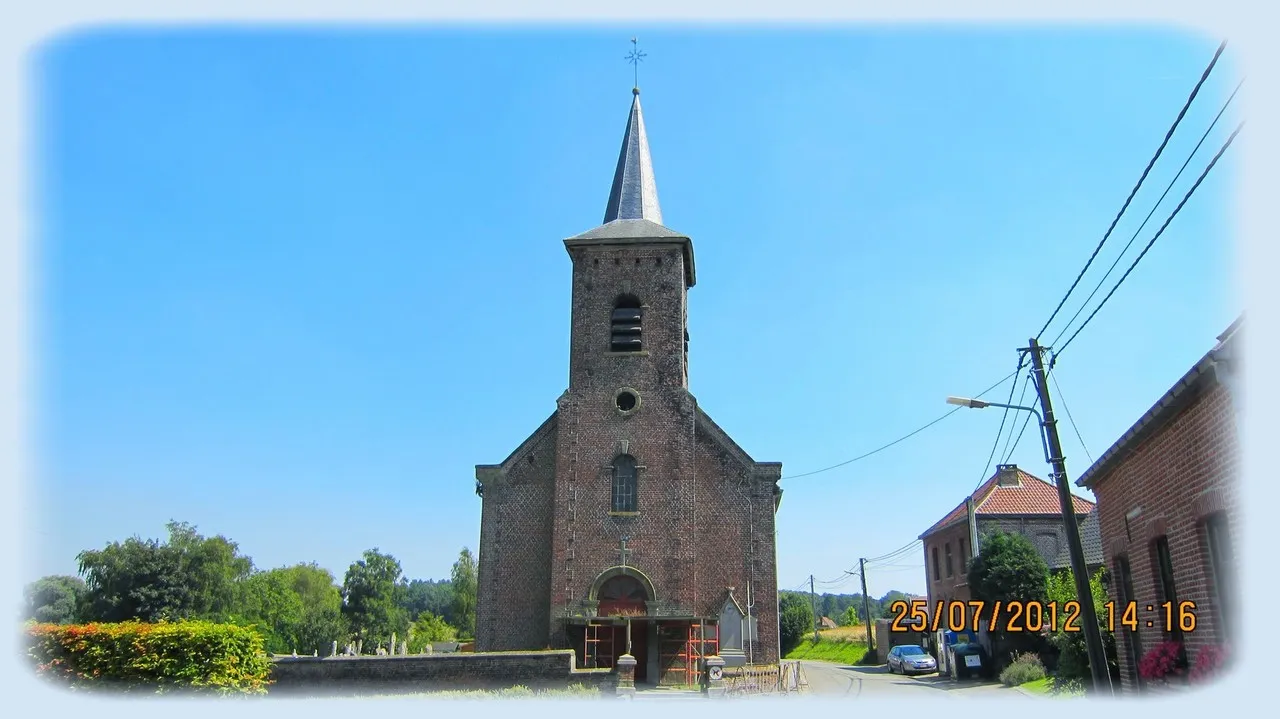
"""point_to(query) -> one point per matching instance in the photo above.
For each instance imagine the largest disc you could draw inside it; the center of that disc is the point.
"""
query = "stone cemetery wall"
(346, 675)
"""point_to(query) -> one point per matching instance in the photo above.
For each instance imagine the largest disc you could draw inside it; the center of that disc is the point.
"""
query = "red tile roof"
(1032, 496)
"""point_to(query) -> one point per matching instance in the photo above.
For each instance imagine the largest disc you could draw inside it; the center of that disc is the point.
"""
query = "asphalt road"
(838, 680)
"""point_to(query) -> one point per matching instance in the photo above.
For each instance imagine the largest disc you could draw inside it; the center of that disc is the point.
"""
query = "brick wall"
(514, 564)
(705, 518)
(735, 503)
(954, 586)
(1181, 473)
(1047, 533)
(658, 434)
(312, 676)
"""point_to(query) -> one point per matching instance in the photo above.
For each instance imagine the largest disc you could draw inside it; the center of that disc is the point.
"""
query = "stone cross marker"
(623, 552)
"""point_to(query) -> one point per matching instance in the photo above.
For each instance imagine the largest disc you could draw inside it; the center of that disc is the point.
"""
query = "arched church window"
(624, 484)
(625, 330)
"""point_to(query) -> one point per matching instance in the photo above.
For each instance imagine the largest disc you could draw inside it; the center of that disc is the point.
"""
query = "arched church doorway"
(620, 625)
(622, 594)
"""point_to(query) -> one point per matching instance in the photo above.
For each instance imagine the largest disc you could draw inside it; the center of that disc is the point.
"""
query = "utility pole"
(1093, 638)
(973, 527)
(866, 603)
(813, 602)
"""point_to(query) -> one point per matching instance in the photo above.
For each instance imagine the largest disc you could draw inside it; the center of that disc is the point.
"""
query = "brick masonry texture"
(706, 509)
(1047, 534)
(1182, 472)
(311, 676)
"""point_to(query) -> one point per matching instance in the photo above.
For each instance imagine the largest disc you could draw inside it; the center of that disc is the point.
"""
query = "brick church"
(629, 522)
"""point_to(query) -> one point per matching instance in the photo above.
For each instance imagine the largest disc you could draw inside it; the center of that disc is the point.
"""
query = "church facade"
(629, 522)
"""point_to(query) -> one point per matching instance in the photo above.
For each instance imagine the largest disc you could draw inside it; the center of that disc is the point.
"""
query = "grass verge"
(826, 649)
(1051, 687)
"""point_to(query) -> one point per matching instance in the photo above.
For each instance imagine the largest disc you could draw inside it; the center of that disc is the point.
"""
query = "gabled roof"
(1032, 497)
(485, 472)
(1090, 541)
(1185, 390)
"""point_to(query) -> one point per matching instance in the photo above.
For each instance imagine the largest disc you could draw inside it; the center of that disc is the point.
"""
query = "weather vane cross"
(634, 57)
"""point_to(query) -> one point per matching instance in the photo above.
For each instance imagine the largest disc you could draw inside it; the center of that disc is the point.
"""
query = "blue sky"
(293, 284)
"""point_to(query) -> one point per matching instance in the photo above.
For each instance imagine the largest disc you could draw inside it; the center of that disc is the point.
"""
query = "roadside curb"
(1026, 693)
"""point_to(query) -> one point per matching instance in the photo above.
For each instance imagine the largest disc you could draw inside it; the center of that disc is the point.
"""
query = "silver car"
(910, 659)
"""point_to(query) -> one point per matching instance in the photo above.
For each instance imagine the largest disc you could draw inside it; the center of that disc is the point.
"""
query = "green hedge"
(165, 657)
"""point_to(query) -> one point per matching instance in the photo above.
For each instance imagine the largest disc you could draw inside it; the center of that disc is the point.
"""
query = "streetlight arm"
(982, 404)
(1032, 410)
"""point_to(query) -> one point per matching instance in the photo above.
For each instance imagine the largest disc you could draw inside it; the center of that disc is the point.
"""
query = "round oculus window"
(626, 400)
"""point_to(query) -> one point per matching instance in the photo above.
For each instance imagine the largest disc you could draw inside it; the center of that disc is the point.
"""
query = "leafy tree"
(187, 577)
(213, 566)
(433, 597)
(369, 598)
(1008, 569)
(1073, 652)
(850, 617)
(55, 599)
(795, 620)
(322, 621)
(429, 628)
(296, 608)
(892, 596)
(463, 584)
(829, 604)
(269, 603)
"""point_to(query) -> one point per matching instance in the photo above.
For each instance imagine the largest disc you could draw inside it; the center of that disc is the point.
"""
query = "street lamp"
(1049, 436)
(983, 404)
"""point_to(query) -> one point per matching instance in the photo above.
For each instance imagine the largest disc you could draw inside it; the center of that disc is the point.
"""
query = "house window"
(625, 329)
(1220, 559)
(964, 557)
(936, 574)
(624, 484)
(1168, 591)
(1124, 583)
(950, 570)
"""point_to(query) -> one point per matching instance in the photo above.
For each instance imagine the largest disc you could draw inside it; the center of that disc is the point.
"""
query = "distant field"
(853, 632)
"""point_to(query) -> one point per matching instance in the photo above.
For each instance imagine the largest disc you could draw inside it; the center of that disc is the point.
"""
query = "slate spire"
(634, 195)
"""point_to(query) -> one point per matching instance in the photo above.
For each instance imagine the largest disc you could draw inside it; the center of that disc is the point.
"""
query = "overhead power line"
(1195, 91)
(1012, 388)
(1009, 442)
(896, 553)
(1154, 207)
(1010, 450)
(1155, 237)
(896, 441)
(899, 568)
(1071, 419)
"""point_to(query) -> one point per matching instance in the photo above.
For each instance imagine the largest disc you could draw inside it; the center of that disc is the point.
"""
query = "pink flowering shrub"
(1163, 662)
(1209, 663)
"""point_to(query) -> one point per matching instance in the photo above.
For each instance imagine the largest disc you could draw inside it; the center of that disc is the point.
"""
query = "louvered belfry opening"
(625, 334)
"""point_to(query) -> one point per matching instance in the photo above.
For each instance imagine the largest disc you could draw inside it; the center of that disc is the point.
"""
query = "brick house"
(1014, 501)
(1167, 502)
(629, 522)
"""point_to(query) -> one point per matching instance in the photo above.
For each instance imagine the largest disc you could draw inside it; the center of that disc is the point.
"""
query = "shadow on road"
(880, 669)
(932, 681)
(947, 684)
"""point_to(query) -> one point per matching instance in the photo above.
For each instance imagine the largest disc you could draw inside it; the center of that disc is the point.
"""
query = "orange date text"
(1004, 617)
